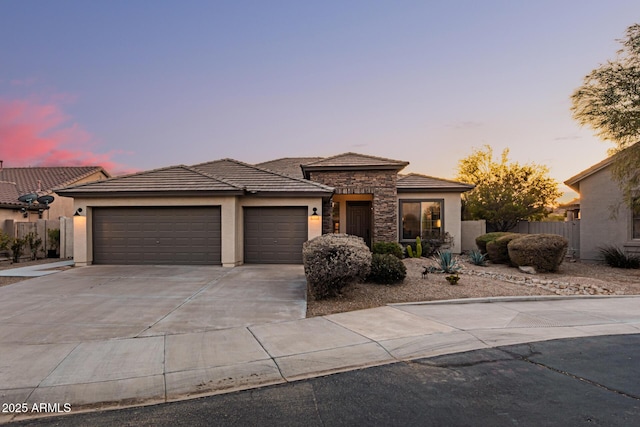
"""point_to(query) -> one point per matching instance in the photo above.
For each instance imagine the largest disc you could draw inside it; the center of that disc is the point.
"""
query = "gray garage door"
(156, 235)
(274, 235)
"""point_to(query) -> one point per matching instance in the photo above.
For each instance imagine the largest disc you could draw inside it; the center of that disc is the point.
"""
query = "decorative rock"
(555, 286)
(528, 270)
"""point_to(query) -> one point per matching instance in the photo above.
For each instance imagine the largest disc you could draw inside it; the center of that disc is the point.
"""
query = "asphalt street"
(570, 382)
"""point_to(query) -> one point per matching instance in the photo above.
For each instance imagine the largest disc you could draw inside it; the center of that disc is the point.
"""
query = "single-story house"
(604, 217)
(39, 182)
(229, 212)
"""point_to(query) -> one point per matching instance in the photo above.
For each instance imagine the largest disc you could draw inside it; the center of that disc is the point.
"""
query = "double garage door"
(157, 235)
(192, 235)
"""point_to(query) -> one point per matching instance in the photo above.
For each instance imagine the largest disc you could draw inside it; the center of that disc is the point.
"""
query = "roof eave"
(574, 181)
(434, 190)
(162, 193)
(289, 193)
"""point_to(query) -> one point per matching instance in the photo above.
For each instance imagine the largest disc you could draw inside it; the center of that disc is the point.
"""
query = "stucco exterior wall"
(604, 218)
(232, 220)
(381, 184)
(452, 205)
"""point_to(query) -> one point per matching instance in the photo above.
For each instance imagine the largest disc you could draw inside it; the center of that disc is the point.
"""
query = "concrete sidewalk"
(162, 368)
(36, 270)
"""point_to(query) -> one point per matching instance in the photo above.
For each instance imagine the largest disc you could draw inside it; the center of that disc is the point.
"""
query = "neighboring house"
(229, 212)
(41, 181)
(604, 217)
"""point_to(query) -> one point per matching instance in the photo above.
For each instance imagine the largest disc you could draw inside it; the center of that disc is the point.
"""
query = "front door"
(359, 220)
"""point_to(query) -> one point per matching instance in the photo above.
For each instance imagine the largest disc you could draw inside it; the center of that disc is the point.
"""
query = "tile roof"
(172, 179)
(256, 179)
(15, 182)
(290, 166)
(355, 160)
(9, 194)
(418, 182)
(226, 176)
(44, 179)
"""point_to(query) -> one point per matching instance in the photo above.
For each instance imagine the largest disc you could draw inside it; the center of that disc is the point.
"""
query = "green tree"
(609, 102)
(506, 192)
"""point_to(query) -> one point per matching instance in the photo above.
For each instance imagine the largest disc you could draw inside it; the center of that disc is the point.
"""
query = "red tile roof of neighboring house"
(9, 194)
(39, 180)
(418, 182)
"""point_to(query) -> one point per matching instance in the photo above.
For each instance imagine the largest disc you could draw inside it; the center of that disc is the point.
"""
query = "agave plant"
(446, 263)
(478, 258)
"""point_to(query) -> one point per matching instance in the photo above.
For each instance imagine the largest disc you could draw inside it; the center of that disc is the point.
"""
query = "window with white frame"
(421, 218)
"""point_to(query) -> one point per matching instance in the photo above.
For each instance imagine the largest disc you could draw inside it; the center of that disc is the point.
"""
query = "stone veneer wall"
(380, 183)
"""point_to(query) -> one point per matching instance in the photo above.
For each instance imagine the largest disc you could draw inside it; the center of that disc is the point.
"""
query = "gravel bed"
(573, 278)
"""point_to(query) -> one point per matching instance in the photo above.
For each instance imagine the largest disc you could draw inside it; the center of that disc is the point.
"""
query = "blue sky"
(144, 84)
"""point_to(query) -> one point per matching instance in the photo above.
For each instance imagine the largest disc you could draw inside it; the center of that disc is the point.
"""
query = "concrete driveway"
(110, 302)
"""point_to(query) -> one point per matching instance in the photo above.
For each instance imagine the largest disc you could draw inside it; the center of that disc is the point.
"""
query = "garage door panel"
(274, 235)
(157, 235)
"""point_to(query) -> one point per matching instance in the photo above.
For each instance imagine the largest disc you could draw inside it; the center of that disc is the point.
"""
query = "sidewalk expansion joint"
(269, 354)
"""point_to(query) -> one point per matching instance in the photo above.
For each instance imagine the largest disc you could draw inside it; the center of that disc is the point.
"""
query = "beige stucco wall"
(452, 205)
(232, 219)
(604, 218)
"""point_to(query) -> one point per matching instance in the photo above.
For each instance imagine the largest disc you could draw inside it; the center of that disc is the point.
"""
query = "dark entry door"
(359, 220)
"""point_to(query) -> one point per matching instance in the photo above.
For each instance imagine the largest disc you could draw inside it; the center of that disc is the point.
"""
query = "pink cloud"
(40, 134)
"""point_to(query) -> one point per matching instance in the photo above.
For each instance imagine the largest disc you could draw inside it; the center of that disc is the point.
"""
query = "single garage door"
(157, 235)
(274, 235)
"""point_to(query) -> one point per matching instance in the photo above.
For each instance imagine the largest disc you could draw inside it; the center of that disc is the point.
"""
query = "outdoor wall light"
(314, 215)
(24, 212)
(78, 211)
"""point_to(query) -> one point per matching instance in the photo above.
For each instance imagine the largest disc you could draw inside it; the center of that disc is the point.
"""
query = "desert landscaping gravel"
(573, 278)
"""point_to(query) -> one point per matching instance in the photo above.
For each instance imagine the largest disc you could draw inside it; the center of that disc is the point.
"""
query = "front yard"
(573, 278)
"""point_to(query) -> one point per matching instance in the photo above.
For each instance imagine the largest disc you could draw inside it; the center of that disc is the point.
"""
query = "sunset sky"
(134, 85)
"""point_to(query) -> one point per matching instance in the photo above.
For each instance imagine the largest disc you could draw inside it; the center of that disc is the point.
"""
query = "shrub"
(5, 241)
(34, 242)
(477, 258)
(544, 252)
(333, 261)
(17, 249)
(615, 257)
(387, 269)
(453, 279)
(446, 263)
(392, 248)
(54, 238)
(481, 241)
(497, 249)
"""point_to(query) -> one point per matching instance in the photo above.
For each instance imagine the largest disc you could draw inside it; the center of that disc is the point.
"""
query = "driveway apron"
(115, 302)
